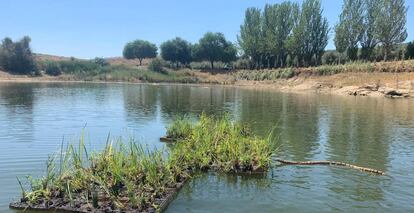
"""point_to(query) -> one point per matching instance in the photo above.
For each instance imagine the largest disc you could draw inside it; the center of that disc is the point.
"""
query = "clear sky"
(89, 28)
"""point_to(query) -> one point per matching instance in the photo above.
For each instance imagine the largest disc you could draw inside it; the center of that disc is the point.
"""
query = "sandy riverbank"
(379, 84)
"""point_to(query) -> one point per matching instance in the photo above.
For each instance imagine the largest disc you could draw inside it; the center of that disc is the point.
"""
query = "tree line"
(365, 25)
(17, 57)
(212, 47)
(285, 34)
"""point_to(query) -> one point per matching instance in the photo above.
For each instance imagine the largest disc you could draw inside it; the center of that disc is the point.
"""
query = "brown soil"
(356, 83)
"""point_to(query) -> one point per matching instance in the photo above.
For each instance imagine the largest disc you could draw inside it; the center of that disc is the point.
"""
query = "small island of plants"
(126, 177)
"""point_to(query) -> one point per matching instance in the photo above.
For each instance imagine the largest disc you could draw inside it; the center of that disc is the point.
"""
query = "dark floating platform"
(167, 139)
(59, 205)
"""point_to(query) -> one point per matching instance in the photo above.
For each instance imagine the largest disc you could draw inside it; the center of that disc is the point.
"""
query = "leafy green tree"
(52, 68)
(156, 65)
(409, 52)
(330, 57)
(269, 47)
(177, 51)
(351, 26)
(263, 35)
(17, 57)
(286, 14)
(251, 34)
(369, 38)
(214, 47)
(390, 28)
(341, 43)
(310, 35)
(140, 49)
(278, 22)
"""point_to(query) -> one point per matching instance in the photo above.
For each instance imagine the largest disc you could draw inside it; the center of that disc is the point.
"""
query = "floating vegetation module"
(125, 177)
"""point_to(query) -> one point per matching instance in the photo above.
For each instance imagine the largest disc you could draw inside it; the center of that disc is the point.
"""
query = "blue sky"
(86, 29)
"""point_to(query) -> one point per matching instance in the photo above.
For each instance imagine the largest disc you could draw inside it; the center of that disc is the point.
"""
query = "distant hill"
(46, 57)
(111, 60)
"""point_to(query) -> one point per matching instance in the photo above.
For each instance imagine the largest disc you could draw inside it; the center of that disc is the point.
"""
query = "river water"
(370, 132)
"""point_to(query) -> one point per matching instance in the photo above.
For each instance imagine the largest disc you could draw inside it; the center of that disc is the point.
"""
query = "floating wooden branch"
(333, 163)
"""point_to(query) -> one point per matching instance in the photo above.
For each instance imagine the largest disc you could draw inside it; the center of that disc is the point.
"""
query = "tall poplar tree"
(350, 29)
(310, 36)
(251, 35)
(369, 38)
(391, 28)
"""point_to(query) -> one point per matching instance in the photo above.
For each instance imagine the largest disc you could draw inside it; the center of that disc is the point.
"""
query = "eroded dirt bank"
(393, 85)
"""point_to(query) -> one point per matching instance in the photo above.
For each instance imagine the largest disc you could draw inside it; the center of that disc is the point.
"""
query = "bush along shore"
(125, 177)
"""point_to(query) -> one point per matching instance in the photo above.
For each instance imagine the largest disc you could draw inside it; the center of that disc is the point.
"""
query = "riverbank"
(394, 85)
(383, 79)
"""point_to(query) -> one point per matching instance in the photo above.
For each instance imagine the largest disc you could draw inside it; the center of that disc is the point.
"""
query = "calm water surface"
(371, 132)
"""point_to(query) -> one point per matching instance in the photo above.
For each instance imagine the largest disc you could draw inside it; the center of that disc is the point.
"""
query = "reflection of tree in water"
(140, 101)
(294, 116)
(177, 100)
(17, 101)
(359, 135)
(17, 97)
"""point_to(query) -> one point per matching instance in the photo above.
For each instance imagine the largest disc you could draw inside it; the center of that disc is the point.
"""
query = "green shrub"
(78, 66)
(243, 63)
(329, 69)
(287, 73)
(409, 51)
(156, 65)
(53, 68)
(101, 61)
(330, 58)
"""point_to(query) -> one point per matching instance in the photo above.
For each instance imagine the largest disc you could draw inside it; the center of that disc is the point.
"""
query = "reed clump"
(222, 145)
(180, 128)
(122, 177)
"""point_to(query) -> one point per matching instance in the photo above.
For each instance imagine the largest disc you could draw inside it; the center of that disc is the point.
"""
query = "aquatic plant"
(127, 177)
(123, 176)
(180, 128)
(222, 145)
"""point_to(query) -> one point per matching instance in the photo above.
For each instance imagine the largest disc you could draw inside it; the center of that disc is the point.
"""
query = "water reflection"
(19, 98)
(16, 108)
(140, 102)
(370, 132)
(177, 100)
